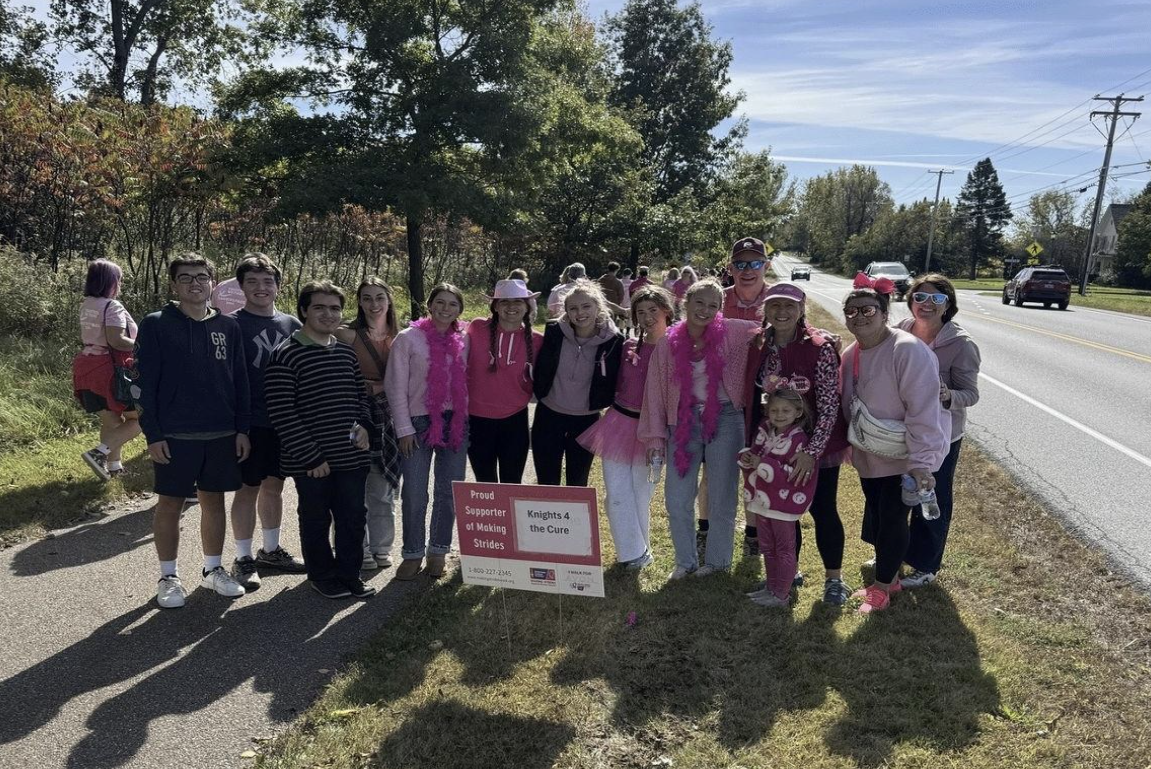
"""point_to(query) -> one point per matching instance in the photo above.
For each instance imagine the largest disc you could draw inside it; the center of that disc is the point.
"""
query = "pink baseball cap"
(785, 291)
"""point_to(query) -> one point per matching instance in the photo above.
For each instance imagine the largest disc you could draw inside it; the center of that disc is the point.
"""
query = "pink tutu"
(614, 437)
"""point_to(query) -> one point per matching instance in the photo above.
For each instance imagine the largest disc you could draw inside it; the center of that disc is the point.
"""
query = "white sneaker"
(679, 573)
(918, 578)
(369, 563)
(770, 601)
(170, 592)
(705, 571)
(221, 581)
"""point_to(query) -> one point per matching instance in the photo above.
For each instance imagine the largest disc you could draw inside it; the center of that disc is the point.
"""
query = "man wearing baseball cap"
(744, 300)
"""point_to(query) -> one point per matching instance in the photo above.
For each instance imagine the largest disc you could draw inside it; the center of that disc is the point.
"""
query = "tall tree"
(983, 205)
(24, 55)
(835, 207)
(1133, 258)
(672, 78)
(145, 46)
(1052, 220)
(421, 106)
(751, 197)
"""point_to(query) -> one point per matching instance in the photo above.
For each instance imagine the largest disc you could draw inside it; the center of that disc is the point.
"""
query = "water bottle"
(925, 499)
(654, 468)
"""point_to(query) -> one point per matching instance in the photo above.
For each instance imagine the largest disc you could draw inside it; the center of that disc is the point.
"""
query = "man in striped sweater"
(318, 405)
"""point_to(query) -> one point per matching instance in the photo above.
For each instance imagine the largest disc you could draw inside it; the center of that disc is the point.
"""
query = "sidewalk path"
(94, 675)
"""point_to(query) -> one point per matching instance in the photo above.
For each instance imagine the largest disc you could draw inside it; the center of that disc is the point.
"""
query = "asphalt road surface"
(1065, 405)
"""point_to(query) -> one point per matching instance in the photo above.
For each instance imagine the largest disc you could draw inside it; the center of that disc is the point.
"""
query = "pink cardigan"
(661, 393)
(406, 380)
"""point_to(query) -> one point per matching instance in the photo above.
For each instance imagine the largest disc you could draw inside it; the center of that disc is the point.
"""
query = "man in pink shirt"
(749, 263)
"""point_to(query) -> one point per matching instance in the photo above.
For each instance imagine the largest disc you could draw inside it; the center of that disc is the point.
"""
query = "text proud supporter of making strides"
(497, 525)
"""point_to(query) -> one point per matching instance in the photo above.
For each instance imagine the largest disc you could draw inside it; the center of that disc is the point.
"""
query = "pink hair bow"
(879, 285)
(800, 384)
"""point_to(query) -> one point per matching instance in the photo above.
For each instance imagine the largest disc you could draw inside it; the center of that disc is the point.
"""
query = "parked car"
(1048, 284)
(801, 272)
(895, 271)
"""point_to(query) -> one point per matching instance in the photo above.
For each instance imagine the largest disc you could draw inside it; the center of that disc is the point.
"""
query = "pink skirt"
(614, 438)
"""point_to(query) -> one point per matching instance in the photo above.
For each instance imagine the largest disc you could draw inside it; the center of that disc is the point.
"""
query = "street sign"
(1034, 249)
(767, 249)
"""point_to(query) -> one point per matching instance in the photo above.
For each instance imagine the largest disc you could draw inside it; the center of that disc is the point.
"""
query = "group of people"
(717, 382)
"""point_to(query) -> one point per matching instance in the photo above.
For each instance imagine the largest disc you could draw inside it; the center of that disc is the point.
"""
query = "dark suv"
(1048, 284)
(896, 271)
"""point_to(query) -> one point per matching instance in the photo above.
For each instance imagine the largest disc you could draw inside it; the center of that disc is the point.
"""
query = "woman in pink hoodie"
(897, 378)
(933, 305)
(694, 400)
(501, 351)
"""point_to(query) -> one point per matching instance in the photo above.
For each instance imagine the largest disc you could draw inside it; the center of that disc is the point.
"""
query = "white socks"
(271, 539)
(115, 464)
(103, 449)
(243, 548)
(211, 562)
(167, 569)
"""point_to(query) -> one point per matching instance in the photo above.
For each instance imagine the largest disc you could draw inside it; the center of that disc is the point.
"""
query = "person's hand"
(835, 339)
(159, 452)
(320, 472)
(361, 439)
(944, 393)
(243, 447)
(923, 477)
(408, 444)
(745, 459)
(652, 453)
(802, 468)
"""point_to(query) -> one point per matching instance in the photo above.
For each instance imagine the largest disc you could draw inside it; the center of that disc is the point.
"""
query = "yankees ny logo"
(263, 344)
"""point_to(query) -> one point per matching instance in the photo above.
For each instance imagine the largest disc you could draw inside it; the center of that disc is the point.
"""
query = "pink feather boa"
(680, 342)
(443, 347)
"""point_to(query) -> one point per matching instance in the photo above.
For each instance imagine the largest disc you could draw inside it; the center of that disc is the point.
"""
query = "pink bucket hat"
(514, 289)
(785, 291)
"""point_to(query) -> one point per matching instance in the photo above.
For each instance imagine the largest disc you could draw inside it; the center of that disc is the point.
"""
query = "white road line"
(1113, 314)
(1077, 425)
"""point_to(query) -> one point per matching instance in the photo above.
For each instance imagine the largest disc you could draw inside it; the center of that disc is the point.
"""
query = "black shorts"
(207, 465)
(93, 403)
(264, 459)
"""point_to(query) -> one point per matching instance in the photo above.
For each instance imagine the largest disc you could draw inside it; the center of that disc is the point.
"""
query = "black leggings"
(829, 535)
(498, 448)
(885, 524)
(554, 437)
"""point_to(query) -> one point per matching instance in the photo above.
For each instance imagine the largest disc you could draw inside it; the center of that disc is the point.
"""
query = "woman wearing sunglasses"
(896, 377)
(933, 306)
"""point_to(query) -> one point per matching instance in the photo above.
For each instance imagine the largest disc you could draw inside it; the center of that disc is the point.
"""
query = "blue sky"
(908, 86)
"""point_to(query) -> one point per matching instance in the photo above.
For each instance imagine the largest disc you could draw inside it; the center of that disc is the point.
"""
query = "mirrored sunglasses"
(921, 297)
(754, 264)
(867, 311)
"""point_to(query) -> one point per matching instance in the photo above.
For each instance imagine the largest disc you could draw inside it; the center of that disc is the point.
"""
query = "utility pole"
(934, 209)
(1114, 114)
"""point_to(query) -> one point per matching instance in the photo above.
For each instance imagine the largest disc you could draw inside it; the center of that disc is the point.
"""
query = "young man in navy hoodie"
(195, 414)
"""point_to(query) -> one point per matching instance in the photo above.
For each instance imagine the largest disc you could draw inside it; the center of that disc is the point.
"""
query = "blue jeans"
(417, 470)
(722, 490)
(929, 538)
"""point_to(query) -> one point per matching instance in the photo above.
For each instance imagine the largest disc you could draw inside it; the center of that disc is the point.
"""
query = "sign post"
(540, 538)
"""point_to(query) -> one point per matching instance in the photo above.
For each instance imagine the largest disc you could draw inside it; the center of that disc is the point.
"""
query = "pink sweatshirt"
(406, 380)
(661, 396)
(766, 488)
(899, 379)
(507, 390)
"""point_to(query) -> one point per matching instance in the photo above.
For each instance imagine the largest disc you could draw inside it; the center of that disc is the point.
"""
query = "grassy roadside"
(1028, 653)
(1129, 300)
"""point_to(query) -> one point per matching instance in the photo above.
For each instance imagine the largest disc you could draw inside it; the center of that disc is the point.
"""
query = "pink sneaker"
(874, 599)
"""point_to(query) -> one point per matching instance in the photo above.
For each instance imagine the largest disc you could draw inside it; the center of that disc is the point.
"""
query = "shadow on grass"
(441, 733)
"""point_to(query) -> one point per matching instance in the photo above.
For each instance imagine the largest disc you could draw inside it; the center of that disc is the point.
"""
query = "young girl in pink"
(767, 490)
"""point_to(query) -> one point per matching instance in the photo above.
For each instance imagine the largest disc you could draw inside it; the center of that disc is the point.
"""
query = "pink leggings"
(777, 545)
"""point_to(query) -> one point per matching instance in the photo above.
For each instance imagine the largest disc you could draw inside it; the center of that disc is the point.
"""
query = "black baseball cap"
(748, 246)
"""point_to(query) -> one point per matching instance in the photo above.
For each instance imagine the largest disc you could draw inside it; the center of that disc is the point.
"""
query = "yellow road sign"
(767, 249)
(1034, 249)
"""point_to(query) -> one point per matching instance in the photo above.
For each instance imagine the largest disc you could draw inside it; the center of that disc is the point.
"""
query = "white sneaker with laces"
(679, 573)
(369, 563)
(170, 592)
(705, 571)
(918, 578)
(222, 582)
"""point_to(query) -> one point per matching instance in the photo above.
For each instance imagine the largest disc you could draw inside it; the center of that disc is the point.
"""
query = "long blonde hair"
(593, 292)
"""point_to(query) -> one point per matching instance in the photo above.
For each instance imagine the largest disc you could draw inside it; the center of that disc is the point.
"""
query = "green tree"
(421, 106)
(984, 207)
(24, 56)
(1052, 220)
(1133, 257)
(835, 207)
(145, 46)
(672, 79)
(750, 197)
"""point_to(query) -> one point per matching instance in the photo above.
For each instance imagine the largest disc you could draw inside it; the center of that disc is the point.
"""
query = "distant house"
(1106, 243)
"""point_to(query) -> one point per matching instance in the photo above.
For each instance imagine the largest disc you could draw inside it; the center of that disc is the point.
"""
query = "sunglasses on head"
(867, 311)
(921, 297)
(754, 264)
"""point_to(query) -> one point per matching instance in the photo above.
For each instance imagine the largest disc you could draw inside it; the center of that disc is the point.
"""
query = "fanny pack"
(875, 435)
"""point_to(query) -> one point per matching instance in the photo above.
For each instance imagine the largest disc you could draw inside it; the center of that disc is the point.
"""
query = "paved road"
(93, 675)
(1065, 405)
